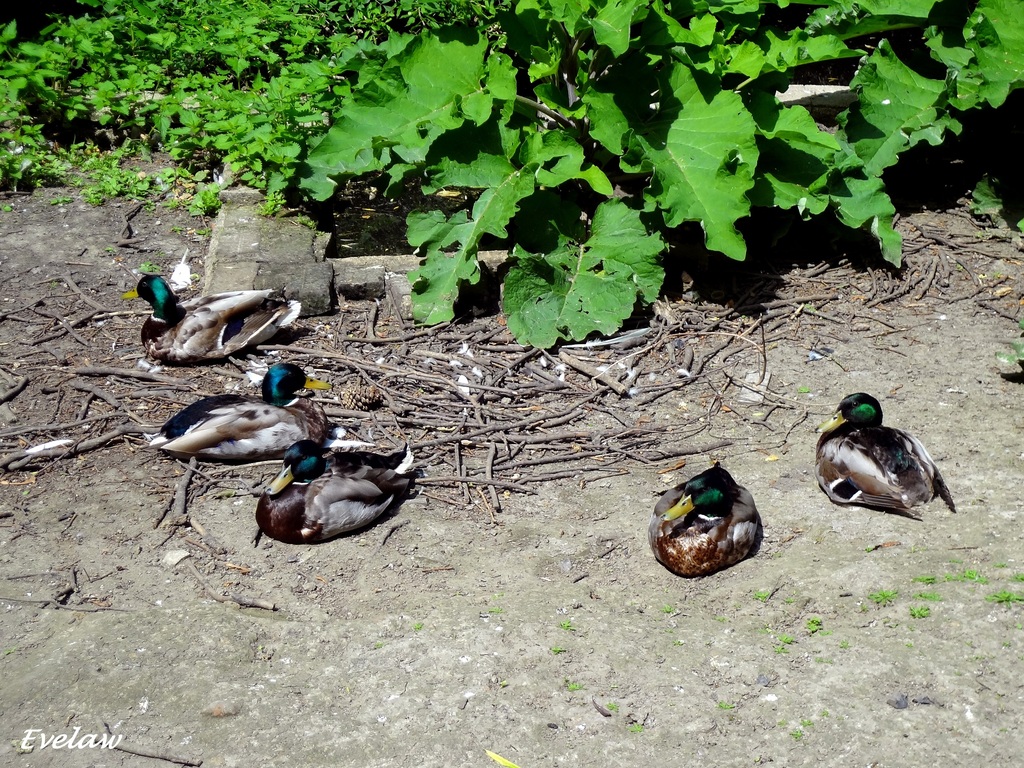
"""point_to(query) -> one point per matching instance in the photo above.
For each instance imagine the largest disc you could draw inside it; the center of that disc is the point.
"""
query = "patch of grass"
(1005, 596)
(814, 625)
(796, 734)
(968, 574)
(1017, 577)
(495, 610)
(934, 597)
(726, 705)
(844, 644)
(571, 686)
(925, 579)
(557, 650)
(417, 626)
(636, 728)
(567, 625)
(611, 706)
(667, 609)
(920, 611)
(762, 595)
(884, 597)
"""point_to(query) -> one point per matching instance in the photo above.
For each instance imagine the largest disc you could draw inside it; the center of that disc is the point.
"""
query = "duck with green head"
(315, 498)
(240, 428)
(705, 524)
(861, 462)
(208, 327)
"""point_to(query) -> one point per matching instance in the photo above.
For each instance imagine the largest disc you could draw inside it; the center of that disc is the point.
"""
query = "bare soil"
(523, 612)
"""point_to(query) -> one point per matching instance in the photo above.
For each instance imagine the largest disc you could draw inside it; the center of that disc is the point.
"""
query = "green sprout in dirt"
(567, 625)
(571, 686)
(1006, 597)
(920, 611)
(884, 597)
(925, 579)
(557, 650)
(814, 625)
(968, 574)
(762, 595)
(726, 705)
(612, 706)
(933, 597)
(667, 609)
(636, 728)
(417, 626)
(1016, 353)
(1018, 577)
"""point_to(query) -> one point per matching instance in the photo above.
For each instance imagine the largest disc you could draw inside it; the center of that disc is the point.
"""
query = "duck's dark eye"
(309, 468)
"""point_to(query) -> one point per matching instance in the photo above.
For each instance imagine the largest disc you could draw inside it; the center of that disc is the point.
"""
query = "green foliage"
(1016, 353)
(884, 596)
(591, 131)
(594, 129)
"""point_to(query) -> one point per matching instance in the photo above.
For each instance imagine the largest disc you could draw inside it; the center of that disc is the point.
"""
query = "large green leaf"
(795, 160)
(896, 109)
(580, 288)
(437, 281)
(433, 86)
(995, 34)
(701, 155)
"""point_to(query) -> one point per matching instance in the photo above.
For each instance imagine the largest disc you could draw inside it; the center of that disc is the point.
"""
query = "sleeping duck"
(703, 525)
(241, 428)
(315, 498)
(208, 327)
(861, 462)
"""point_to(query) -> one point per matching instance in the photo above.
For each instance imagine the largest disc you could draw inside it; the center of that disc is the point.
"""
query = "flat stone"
(249, 251)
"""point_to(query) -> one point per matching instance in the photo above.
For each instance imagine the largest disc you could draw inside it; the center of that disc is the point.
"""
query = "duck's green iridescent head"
(303, 463)
(708, 494)
(158, 293)
(284, 380)
(859, 409)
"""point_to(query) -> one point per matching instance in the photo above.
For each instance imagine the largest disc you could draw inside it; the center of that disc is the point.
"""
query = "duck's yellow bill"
(316, 384)
(283, 480)
(835, 421)
(680, 508)
(132, 294)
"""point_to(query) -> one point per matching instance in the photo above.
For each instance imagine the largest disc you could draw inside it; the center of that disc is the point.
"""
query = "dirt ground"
(527, 617)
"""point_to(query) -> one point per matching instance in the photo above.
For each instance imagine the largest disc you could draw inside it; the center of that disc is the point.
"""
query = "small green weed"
(920, 611)
(636, 728)
(762, 595)
(571, 686)
(934, 597)
(1005, 596)
(417, 626)
(884, 597)
(968, 574)
(814, 625)
(925, 579)
(557, 650)
(726, 705)
(611, 706)
(567, 625)
(667, 609)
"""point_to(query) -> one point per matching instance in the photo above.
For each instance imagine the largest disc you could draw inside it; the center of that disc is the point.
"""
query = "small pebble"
(763, 680)
(898, 701)
(223, 709)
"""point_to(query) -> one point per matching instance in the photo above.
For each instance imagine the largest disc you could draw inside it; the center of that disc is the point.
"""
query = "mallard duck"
(208, 327)
(313, 498)
(703, 525)
(242, 428)
(861, 462)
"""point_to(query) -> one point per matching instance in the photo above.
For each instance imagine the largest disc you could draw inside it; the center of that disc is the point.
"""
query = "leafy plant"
(1016, 353)
(884, 596)
(1005, 596)
(571, 686)
(920, 611)
(594, 130)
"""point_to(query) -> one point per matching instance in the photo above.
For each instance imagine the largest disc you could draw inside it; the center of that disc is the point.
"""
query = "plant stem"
(558, 117)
